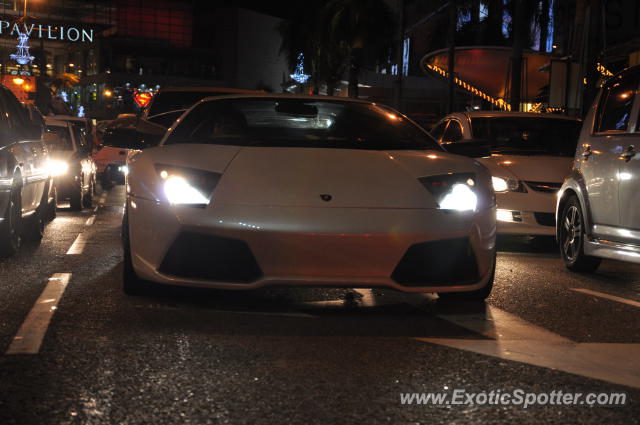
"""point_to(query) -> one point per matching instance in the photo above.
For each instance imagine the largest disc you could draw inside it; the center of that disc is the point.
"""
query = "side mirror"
(124, 138)
(472, 148)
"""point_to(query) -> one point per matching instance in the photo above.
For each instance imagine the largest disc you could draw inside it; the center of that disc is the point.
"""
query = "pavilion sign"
(47, 32)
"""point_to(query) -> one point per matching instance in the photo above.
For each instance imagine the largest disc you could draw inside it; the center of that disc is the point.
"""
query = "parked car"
(26, 199)
(85, 124)
(72, 166)
(249, 191)
(529, 157)
(599, 203)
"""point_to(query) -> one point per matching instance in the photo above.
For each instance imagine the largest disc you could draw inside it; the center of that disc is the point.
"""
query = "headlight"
(453, 191)
(57, 167)
(123, 169)
(187, 186)
(508, 185)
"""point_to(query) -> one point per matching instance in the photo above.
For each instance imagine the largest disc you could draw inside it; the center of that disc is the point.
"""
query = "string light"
(298, 75)
(603, 70)
(500, 103)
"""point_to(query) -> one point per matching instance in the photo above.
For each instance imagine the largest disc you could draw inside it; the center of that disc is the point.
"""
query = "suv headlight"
(453, 191)
(187, 186)
(57, 167)
(508, 185)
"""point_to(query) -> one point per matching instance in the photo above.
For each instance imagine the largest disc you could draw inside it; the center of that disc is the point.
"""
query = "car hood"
(537, 168)
(265, 176)
(62, 155)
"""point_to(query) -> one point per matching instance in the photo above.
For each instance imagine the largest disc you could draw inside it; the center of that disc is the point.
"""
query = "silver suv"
(598, 210)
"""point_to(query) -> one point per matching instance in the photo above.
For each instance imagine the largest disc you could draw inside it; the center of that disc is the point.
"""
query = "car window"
(528, 135)
(438, 130)
(58, 138)
(172, 100)
(277, 122)
(79, 135)
(453, 133)
(615, 109)
(5, 131)
(17, 115)
(166, 118)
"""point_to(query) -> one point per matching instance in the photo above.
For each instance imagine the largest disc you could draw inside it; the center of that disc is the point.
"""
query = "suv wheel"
(572, 235)
(87, 198)
(75, 201)
(10, 228)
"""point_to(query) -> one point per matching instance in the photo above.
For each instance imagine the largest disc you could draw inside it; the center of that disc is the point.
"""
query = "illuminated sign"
(142, 98)
(47, 32)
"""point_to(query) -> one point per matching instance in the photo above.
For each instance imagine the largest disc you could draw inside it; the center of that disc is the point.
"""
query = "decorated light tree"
(22, 55)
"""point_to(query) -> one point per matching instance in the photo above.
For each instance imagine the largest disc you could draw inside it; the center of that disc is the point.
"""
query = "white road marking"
(78, 245)
(515, 339)
(29, 337)
(607, 296)
(90, 220)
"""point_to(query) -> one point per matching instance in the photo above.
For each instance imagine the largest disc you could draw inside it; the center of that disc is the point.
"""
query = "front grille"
(198, 256)
(545, 219)
(445, 262)
(546, 187)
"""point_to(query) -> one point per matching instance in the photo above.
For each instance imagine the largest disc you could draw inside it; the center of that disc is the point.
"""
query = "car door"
(82, 153)
(629, 178)
(438, 131)
(604, 137)
(23, 151)
(453, 133)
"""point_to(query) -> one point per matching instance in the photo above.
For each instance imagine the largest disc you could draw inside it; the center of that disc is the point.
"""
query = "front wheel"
(572, 235)
(87, 198)
(33, 229)
(131, 283)
(11, 226)
(75, 201)
(477, 295)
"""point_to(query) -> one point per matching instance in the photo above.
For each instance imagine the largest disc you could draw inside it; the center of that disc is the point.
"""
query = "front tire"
(87, 198)
(34, 227)
(131, 283)
(572, 236)
(75, 201)
(477, 295)
(11, 227)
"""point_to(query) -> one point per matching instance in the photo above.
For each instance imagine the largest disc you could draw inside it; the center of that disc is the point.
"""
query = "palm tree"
(364, 29)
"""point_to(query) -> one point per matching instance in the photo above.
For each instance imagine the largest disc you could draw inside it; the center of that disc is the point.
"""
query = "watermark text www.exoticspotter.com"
(518, 398)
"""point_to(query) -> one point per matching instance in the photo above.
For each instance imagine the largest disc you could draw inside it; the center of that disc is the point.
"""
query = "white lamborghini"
(248, 191)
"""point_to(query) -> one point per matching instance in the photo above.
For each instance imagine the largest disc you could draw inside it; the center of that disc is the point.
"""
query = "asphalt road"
(307, 356)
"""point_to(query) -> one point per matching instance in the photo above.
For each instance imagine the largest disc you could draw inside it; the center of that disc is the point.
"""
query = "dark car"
(72, 166)
(26, 199)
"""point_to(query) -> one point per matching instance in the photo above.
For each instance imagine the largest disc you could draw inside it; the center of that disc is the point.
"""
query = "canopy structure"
(486, 72)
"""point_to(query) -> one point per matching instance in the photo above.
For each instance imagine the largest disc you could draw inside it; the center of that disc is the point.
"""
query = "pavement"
(75, 350)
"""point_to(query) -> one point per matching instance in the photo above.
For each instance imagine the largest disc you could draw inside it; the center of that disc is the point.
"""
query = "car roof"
(308, 97)
(207, 89)
(55, 122)
(493, 114)
(68, 118)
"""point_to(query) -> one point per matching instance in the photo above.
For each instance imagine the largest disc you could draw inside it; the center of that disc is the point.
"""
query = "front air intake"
(209, 257)
(438, 263)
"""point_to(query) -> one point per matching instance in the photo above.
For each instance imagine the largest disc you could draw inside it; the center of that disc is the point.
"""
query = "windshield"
(58, 138)
(172, 100)
(302, 123)
(528, 135)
